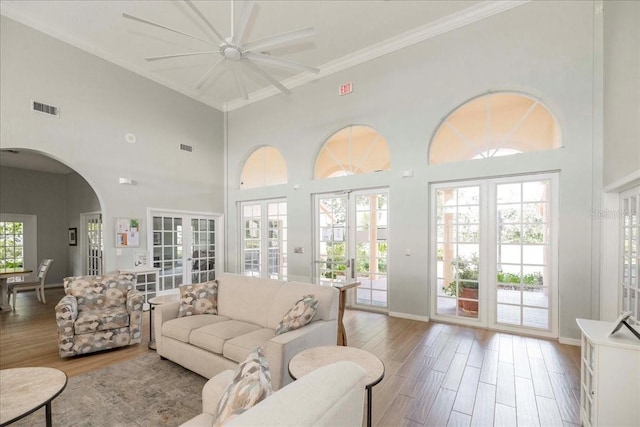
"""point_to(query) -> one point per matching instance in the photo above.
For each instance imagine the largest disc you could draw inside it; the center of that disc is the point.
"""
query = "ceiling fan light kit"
(241, 55)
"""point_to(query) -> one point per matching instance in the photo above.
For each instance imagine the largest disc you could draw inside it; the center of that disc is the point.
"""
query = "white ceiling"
(347, 33)
(31, 160)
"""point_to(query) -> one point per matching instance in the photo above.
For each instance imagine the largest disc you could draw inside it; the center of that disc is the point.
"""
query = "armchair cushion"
(101, 320)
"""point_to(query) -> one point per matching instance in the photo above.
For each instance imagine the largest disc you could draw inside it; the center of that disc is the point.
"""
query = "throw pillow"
(299, 315)
(251, 383)
(201, 298)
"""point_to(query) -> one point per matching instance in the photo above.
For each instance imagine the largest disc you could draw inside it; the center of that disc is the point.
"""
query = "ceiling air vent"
(185, 147)
(44, 108)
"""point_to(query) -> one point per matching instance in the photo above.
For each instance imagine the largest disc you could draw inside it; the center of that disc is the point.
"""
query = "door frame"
(84, 241)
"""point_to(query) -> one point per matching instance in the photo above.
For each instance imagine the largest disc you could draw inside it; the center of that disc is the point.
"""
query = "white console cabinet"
(146, 282)
(610, 375)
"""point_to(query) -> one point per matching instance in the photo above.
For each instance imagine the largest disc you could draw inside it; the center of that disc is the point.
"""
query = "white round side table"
(159, 300)
(316, 357)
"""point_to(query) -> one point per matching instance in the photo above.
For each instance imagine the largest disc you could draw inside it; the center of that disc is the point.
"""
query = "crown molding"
(452, 22)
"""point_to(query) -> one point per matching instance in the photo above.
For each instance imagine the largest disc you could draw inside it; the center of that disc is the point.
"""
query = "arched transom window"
(492, 125)
(353, 150)
(265, 166)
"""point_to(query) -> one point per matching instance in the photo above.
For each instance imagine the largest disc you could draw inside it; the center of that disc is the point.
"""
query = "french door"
(629, 295)
(264, 239)
(94, 243)
(494, 253)
(186, 247)
(351, 231)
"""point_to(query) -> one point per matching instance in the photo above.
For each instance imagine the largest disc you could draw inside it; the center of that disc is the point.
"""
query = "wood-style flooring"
(435, 374)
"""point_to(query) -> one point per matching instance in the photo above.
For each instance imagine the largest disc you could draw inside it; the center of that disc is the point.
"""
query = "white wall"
(542, 48)
(99, 104)
(622, 90)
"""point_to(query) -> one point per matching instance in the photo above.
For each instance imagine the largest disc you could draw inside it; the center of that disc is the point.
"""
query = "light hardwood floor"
(436, 374)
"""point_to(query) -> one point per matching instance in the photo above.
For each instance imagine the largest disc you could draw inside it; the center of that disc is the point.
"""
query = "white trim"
(452, 22)
(623, 183)
(409, 316)
(570, 341)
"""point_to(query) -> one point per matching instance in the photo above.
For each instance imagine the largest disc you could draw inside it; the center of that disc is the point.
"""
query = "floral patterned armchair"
(98, 313)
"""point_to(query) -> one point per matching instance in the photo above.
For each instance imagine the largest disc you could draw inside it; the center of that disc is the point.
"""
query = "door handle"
(353, 268)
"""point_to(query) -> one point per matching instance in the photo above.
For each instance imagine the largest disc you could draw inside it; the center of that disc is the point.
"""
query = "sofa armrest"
(66, 315)
(281, 348)
(135, 304)
(213, 390)
(135, 301)
(332, 395)
(161, 314)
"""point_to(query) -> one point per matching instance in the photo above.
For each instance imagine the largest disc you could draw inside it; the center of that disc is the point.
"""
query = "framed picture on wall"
(73, 237)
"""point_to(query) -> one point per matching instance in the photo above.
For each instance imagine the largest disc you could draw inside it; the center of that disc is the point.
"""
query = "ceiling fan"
(237, 50)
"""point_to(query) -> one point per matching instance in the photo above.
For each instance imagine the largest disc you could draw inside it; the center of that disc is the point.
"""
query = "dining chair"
(37, 286)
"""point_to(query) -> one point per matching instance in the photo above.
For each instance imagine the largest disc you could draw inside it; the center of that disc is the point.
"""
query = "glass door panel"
(523, 254)
(332, 238)
(458, 251)
(371, 249)
(93, 224)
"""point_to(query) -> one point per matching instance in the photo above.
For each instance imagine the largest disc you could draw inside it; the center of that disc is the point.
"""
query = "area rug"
(145, 391)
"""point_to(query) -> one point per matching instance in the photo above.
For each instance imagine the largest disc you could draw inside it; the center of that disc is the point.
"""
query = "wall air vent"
(185, 147)
(44, 108)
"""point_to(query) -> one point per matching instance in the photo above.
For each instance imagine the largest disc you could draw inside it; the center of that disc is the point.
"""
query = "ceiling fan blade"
(237, 76)
(266, 76)
(207, 74)
(155, 58)
(205, 20)
(144, 21)
(241, 26)
(280, 62)
(279, 39)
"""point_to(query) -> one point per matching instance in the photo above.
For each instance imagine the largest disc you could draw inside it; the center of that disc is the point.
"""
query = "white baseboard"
(570, 341)
(409, 316)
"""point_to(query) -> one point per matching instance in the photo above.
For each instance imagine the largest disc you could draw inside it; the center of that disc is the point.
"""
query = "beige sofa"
(330, 396)
(249, 310)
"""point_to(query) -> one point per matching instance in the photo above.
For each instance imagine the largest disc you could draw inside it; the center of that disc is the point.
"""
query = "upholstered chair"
(98, 313)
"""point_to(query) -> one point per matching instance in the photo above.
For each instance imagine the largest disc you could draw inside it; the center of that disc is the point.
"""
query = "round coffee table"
(316, 357)
(25, 390)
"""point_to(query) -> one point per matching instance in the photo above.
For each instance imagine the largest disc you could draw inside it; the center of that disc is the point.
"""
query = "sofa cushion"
(247, 298)
(180, 328)
(101, 320)
(299, 315)
(251, 384)
(212, 337)
(199, 298)
(239, 347)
